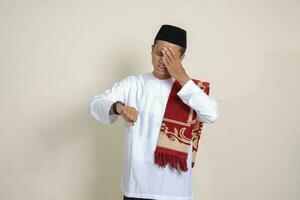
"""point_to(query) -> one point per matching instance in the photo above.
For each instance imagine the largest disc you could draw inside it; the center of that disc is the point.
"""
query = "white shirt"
(141, 178)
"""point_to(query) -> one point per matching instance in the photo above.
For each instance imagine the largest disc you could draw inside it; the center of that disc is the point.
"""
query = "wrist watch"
(115, 107)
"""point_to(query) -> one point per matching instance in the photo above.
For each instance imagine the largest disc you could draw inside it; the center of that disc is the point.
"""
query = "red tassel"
(176, 160)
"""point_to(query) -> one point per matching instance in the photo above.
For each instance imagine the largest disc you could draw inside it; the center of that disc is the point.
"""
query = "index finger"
(172, 52)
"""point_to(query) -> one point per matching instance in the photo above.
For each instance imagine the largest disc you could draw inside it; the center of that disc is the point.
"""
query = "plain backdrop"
(56, 55)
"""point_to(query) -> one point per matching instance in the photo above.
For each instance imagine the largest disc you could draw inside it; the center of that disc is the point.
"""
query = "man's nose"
(161, 60)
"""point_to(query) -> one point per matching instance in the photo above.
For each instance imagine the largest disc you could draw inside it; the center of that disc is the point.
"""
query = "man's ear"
(152, 46)
(181, 57)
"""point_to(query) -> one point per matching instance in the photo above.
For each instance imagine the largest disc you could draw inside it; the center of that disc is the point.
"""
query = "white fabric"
(141, 178)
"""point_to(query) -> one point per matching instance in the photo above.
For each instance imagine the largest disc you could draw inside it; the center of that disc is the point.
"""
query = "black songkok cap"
(172, 34)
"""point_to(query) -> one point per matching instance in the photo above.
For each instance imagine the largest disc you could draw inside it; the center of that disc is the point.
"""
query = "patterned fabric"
(179, 129)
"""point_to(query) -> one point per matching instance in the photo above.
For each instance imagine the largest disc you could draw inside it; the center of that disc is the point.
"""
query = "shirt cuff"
(100, 110)
(188, 89)
(113, 117)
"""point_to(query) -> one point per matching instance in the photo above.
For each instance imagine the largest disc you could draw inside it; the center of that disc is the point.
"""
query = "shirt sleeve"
(100, 104)
(205, 107)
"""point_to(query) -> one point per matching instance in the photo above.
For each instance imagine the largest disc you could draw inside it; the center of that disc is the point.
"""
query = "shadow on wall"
(257, 145)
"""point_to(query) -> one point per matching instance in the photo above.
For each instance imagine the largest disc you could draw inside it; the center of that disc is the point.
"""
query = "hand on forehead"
(161, 44)
(171, 51)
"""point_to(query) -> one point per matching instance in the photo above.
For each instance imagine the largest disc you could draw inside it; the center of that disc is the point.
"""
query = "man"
(144, 101)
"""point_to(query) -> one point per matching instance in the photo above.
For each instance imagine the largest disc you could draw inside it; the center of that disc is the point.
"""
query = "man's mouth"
(162, 68)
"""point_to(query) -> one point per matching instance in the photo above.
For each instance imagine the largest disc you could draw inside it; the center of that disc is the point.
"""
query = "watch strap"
(115, 107)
